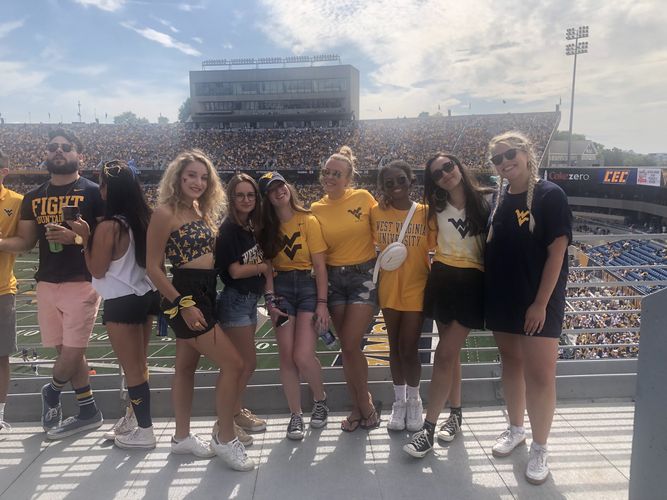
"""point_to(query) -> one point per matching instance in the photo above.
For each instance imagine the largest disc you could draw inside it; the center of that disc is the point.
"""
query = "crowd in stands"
(376, 141)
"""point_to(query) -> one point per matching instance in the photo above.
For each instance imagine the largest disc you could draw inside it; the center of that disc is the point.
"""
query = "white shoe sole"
(318, 425)
(295, 437)
(188, 452)
(395, 427)
(501, 454)
(136, 446)
(414, 453)
(537, 481)
(415, 427)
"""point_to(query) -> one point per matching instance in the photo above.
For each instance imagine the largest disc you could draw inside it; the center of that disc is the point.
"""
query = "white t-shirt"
(456, 247)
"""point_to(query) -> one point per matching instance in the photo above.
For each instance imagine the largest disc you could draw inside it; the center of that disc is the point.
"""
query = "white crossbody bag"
(393, 256)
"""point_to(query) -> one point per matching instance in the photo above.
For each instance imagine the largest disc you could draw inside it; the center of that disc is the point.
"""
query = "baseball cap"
(267, 179)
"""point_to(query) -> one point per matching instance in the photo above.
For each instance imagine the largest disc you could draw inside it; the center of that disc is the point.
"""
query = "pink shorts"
(66, 313)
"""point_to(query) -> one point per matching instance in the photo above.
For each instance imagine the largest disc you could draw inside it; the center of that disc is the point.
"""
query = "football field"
(34, 359)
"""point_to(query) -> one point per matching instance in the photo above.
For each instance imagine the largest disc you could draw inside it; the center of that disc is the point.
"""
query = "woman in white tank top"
(116, 257)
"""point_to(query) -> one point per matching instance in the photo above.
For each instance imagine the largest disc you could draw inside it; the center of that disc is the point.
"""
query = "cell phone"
(71, 213)
(282, 320)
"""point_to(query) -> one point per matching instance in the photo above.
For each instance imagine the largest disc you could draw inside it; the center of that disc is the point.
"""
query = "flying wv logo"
(289, 247)
(356, 212)
(461, 226)
(522, 216)
(9, 212)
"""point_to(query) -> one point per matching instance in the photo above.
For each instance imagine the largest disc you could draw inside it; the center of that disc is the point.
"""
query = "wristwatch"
(78, 239)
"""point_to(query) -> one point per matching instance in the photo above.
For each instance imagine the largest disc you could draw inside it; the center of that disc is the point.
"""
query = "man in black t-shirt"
(67, 304)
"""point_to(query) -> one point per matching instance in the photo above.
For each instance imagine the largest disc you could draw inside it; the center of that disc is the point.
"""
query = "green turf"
(100, 350)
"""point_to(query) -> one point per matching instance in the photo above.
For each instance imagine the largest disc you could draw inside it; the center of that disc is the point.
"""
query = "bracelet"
(322, 301)
(258, 273)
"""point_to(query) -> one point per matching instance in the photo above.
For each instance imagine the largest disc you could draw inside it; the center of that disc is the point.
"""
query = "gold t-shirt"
(302, 237)
(10, 213)
(403, 289)
(346, 226)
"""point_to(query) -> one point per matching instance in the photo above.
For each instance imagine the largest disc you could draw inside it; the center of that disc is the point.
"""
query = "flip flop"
(352, 424)
(375, 415)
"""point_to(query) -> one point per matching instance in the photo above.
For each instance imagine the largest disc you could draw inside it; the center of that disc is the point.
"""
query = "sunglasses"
(52, 147)
(445, 168)
(510, 154)
(399, 181)
(112, 168)
(336, 174)
(245, 196)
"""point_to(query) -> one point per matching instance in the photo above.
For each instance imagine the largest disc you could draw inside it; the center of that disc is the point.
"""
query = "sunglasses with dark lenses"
(52, 147)
(445, 168)
(336, 174)
(399, 181)
(510, 154)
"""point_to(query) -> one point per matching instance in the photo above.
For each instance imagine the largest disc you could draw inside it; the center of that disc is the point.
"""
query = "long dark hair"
(270, 240)
(477, 208)
(125, 199)
(255, 216)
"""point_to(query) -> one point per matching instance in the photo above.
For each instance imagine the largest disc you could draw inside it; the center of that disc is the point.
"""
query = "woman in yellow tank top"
(344, 214)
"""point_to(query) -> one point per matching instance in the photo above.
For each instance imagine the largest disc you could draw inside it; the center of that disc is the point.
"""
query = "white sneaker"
(126, 424)
(537, 470)
(233, 454)
(140, 437)
(5, 429)
(414, 420)
(397, 417)
(243, 436)
(507, 441)
(192, 445)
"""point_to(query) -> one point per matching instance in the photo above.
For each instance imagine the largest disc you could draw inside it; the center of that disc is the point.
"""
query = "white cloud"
(189, 7)
(427, 52)
(197, 39)
(227, 45)
(106, 5)
(18, 77)
(7, 28)
(163, 39)
(167, 24)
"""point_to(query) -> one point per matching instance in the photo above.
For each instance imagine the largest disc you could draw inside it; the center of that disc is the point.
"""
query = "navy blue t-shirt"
(515, 259)
(44, 205)
(235, 244)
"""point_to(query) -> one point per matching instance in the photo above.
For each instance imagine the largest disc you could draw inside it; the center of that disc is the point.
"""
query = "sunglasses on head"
(510, 154)
(112, 168)
(336, 174)
(52, 147)
(399, 181)
(447, 167)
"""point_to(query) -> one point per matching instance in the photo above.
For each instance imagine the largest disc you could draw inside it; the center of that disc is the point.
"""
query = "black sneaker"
(450, 428)
(295, 427)
(320, 414)
(420, 444)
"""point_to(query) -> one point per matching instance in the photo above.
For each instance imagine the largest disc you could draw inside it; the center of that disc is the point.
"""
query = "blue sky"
(413, 55)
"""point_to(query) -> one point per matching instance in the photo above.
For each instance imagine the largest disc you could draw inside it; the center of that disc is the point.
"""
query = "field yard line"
(166, 345)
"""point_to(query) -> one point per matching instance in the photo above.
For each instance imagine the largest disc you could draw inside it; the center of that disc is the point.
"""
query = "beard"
(69, 167)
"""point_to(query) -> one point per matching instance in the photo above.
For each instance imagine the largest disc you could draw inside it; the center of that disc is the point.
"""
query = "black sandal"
(374, 416)
(352, 424)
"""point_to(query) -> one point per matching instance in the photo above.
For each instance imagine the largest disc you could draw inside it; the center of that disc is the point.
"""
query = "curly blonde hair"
(517, 140)
(211, 203)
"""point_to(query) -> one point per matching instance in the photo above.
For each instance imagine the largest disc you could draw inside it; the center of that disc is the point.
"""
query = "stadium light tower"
(574, 49)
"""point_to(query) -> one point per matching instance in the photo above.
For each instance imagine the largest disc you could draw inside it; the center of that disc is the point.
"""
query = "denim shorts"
(295, 291)
(352, 284)
(235, 309)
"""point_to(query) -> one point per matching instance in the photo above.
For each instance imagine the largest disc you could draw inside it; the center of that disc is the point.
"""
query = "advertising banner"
(649, 176)
(618, 176)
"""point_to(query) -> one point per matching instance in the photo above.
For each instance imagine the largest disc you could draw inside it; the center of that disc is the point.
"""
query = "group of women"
(499, 261)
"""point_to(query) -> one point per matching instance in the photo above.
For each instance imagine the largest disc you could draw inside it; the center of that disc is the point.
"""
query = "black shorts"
(455, 293)
(201, 284)
(131, 309)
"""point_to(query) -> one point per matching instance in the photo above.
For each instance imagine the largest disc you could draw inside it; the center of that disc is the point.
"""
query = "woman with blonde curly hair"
(526, 273)
(345, 216)
(184, 227)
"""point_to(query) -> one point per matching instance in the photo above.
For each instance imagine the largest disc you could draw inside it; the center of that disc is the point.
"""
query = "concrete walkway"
(590, 449)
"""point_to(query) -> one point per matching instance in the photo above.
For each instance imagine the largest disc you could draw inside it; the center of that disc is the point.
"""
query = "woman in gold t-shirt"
(291, 237)
(401, 292)
(344, 214)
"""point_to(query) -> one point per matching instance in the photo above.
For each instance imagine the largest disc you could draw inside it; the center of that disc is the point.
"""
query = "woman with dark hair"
(116, 258)
(526, 262)
(240, 264)
(291, 237)
(454, 295)
(401, 291)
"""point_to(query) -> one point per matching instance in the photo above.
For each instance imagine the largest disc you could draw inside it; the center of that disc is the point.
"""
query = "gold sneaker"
(249, 422)
(242, 435)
